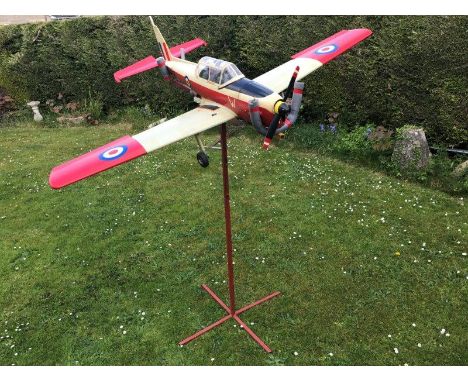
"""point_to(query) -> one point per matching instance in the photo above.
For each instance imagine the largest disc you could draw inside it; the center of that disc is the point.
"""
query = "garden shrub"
(356, 142)
(412, 70)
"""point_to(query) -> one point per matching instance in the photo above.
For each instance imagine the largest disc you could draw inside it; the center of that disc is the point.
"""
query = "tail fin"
(165, 51)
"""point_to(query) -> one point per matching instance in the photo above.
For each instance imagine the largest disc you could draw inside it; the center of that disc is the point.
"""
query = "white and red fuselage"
(233, 96)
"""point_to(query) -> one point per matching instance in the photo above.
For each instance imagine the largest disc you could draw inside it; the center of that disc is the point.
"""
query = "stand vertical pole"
(231, 309)
(227, 218)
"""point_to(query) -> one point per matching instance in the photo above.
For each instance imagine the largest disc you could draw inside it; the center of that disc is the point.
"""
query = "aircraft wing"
(207, 115)
(312, 58)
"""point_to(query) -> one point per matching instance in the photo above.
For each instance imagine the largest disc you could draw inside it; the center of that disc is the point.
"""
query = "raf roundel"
(113, 153)
(327, 49)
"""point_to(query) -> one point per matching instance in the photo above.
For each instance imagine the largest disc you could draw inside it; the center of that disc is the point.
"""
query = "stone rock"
(6, 103)
(461, 169)
(381, 138)
(411, 149)
(72, 119)
(72, 106)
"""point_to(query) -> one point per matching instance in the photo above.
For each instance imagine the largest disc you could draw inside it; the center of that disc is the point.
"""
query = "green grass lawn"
(108, 271)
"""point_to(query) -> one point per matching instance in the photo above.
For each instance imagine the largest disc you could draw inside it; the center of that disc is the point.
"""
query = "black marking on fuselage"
(209, 107)
(250, 87)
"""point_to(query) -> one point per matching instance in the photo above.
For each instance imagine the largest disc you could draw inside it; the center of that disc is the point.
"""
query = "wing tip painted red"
(54, 181)
(101, 159)
(335, 45)
(367, 32)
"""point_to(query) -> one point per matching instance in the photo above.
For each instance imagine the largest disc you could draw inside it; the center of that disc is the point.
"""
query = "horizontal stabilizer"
(138, 67)
(150, 62)
(187, 47)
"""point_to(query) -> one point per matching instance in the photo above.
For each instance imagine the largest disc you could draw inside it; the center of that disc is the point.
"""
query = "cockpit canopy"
(218, 71)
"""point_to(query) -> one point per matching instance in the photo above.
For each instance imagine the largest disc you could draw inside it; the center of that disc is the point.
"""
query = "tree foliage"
(412, 70)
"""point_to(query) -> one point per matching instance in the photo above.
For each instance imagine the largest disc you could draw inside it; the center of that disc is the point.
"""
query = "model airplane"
(222, 92)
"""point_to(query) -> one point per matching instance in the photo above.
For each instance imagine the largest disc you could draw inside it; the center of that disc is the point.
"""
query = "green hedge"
(412, 70)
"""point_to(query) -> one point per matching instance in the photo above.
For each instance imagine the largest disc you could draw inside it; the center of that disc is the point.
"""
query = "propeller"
(281, 109)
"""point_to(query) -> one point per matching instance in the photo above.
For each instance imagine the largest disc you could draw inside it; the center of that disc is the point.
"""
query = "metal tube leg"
(227, 218)
(199, 142)
(261, 301)
(204, 330)
(216, 298)
(252, 334)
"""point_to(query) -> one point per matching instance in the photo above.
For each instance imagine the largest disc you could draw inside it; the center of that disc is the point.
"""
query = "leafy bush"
(412, 70)
(356, 142)
(94, 107)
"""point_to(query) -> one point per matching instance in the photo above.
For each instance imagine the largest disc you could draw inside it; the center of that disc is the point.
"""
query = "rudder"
(165, 51)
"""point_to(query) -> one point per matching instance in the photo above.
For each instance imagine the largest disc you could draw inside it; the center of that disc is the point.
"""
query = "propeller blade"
(290, 88)
(271, 131)
(281, 110)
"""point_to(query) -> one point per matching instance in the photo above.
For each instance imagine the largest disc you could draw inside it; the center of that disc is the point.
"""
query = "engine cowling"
(296, 101)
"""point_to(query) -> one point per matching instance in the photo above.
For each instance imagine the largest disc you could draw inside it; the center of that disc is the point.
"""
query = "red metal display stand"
(231, 309)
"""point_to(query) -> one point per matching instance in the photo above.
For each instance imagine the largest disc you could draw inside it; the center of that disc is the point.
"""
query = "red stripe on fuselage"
(241, 108)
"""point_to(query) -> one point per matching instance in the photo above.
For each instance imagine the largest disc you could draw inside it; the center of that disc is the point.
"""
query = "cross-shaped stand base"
(234, 315)
(231, 310)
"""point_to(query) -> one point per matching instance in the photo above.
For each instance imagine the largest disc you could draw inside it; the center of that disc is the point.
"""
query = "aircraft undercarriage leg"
(202, 156)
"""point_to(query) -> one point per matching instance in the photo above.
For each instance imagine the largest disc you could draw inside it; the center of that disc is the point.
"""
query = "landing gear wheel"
(203, 159)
